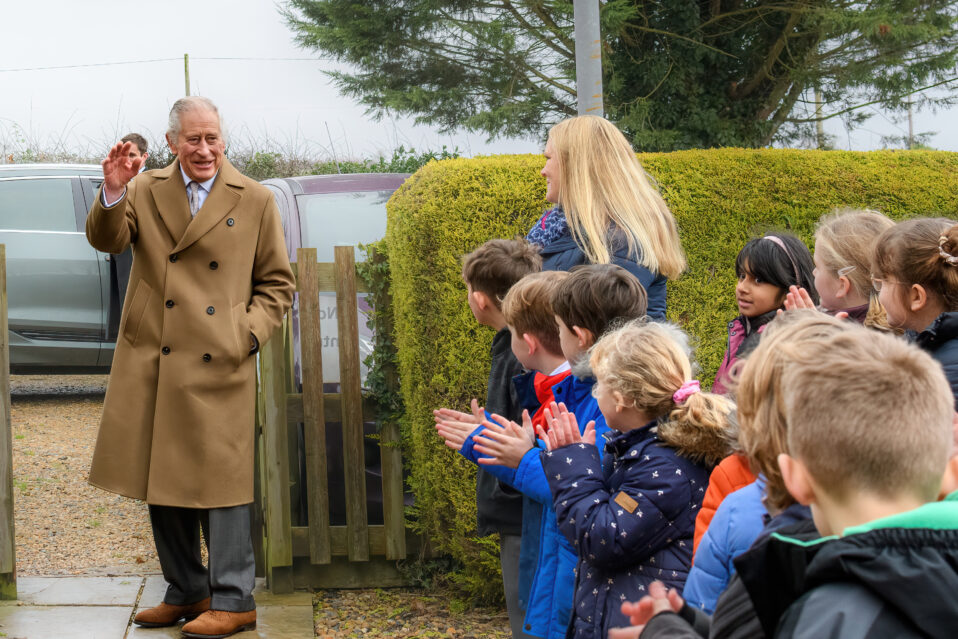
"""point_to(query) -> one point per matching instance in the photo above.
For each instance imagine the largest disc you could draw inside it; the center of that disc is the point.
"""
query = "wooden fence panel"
(279, 545)
(354, 461)
(8, 559)
(314, 408)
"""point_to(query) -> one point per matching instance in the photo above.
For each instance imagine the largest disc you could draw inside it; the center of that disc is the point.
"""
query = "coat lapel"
(169, 194)
(221, 200)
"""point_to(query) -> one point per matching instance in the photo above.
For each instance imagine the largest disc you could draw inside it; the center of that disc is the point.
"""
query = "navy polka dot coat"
(630, 517)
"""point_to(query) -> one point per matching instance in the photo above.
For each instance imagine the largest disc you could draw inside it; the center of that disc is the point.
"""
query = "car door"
(53, 276)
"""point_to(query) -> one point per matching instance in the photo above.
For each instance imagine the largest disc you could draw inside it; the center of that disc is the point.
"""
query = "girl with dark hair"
(766, 267)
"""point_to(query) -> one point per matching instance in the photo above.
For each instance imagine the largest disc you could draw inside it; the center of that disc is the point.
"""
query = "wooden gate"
(315, 553)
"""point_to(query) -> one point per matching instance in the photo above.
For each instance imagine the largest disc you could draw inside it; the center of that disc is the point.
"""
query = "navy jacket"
(563, 253)
(940, 340)
(631, 520)
(499, 507)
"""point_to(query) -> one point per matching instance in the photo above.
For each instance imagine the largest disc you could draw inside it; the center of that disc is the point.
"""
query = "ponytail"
(700, 428)
(922, 251)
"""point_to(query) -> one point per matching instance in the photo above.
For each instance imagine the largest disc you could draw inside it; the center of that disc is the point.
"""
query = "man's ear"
(532, 343)
(917, 297)
(170, 143)
(585, 337)
(796, 478)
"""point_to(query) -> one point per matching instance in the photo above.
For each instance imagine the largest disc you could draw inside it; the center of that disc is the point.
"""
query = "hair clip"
(948, 257)
(685, 391)
(845, 270)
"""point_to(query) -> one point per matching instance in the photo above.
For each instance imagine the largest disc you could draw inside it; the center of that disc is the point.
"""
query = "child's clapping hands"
(564, 428)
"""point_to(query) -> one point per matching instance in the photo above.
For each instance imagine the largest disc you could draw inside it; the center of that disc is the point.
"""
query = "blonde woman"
(606, 210)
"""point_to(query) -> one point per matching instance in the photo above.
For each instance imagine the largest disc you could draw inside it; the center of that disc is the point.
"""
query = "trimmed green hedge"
(721, 198)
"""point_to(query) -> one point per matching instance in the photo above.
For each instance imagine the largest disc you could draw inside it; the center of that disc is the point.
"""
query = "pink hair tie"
(685, 391)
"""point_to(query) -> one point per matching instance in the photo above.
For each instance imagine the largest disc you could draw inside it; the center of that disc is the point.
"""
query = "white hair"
(191, 103)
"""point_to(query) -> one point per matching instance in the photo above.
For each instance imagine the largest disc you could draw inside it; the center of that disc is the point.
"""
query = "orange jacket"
(731, 474)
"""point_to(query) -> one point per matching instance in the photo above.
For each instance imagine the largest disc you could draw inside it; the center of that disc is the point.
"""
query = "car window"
(332, 219)
(37, 204)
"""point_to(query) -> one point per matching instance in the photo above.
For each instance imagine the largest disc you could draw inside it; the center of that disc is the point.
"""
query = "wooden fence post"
(8, 559)
(357, 532)
(314, 408)
(279, 543)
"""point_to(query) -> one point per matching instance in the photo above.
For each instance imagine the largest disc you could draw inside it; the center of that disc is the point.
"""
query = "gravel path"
(64, 525)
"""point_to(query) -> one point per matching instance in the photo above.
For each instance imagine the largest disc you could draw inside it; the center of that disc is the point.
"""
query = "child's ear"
(949, 482)
(619, 398)
(844, 287)
(531, 343)
(796, 478)
(917, 297)
(585, 337)
(481, 300)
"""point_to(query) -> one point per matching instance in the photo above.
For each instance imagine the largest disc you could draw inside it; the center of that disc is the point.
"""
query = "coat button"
(230, 222)
(214, 266)
(165, 350)
(207, 357)
(210, 310)
(173, 257)
(169, 303)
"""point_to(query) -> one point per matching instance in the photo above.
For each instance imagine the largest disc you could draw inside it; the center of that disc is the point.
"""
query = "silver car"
(58, 286)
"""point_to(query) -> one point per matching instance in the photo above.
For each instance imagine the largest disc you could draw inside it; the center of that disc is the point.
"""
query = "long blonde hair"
(602, 185)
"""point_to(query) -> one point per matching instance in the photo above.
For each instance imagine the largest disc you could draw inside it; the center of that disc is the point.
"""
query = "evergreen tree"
(677, 73)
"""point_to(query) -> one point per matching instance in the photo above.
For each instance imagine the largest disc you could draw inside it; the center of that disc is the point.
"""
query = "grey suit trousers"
(232, 571)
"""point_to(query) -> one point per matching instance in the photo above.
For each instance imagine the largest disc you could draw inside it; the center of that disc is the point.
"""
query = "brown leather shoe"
(169, 615)
(216, 624)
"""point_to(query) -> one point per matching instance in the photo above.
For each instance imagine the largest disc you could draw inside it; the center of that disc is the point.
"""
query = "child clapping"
(631, 518)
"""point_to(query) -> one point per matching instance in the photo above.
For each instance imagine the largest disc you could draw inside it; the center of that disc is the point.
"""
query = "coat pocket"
(134, 314)
(241, 332)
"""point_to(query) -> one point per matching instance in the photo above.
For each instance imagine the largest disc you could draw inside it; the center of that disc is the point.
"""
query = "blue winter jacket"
(631, 516)
(940, 340)
(563, 253)
(738, 522)
(549, 605)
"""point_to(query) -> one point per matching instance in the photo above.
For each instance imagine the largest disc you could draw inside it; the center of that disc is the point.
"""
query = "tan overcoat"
(177, 427)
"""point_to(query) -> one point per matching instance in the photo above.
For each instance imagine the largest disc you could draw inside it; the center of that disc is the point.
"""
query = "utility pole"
(911, 127)
(186, 71)
(588, 57)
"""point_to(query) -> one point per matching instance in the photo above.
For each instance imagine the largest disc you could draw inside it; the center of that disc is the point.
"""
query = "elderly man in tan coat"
(210, 282)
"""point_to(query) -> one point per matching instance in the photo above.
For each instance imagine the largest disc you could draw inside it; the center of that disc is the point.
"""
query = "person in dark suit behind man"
(121, 263)
(210, 283)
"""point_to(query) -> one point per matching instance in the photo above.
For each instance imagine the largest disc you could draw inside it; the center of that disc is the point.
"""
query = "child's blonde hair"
(604, 186)
(647, 362)
(845, 241)
(527, 308)
(762, 430)
(868, 412)
(922, 251)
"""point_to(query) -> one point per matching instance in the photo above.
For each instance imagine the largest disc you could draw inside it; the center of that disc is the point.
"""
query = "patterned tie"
(194, 193)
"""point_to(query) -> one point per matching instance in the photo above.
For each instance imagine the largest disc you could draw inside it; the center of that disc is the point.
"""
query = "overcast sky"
(289, 102)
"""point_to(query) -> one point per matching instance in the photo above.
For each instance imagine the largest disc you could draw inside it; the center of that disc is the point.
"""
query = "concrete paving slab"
(265, 598)
(79, 591)
(283, 622)
(153, 591)
(66, 622)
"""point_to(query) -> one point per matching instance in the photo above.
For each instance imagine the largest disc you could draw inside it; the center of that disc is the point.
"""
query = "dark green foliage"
(677, 75)
(720, 198)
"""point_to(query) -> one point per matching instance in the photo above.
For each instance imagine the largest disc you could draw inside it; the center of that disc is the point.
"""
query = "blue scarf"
(551, 226)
